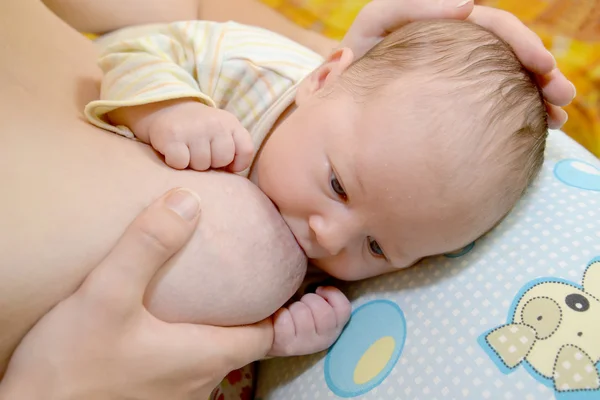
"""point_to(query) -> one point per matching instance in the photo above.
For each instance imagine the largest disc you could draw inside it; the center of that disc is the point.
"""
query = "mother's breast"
(67, 198)
(69, 191)
(242, 264)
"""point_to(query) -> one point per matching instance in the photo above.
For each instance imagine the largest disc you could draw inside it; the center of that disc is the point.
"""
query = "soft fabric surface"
(516, 315)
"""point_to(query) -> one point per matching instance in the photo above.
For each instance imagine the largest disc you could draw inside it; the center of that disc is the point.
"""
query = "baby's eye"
(336, 186)
(374, 247)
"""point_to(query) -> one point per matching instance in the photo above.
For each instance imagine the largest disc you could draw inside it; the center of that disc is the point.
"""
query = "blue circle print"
(578, 174)
(461, 252)
(367, 350)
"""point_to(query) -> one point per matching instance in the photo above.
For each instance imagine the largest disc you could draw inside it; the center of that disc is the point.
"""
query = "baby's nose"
(333, 236)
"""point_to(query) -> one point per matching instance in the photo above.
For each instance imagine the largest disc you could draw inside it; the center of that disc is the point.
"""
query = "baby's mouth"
(312, 250)
(300, 242)
(306, 247)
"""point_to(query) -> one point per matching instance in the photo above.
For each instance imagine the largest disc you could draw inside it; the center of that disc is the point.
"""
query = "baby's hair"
(484, 72)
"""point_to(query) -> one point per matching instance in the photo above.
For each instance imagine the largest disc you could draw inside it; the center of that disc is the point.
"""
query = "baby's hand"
(189, 133)
(311, 324)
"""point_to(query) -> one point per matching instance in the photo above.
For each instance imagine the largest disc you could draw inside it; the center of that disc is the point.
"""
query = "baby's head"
(416, 149)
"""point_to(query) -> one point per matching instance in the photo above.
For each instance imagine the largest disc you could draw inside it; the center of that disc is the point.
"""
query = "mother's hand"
(380, 17)
(101, 343)
(558, 91)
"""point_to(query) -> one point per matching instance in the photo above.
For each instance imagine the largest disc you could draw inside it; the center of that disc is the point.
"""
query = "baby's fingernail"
(184, 202)
(574, 90)
(463, 3)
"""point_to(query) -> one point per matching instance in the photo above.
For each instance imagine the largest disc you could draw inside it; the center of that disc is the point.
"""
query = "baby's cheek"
(352, 267)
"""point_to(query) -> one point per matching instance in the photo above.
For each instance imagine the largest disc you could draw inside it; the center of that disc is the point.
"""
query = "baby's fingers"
(222, 150)
(244, 150)
(200, 157)
(338, 301)
(304, 323)
(177, 155)
(323, 314)
(176, 152)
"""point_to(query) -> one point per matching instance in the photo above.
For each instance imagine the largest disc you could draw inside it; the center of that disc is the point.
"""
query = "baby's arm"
(160, 86)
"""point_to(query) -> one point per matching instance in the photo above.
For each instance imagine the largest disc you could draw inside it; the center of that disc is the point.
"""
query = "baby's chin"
(332, 268)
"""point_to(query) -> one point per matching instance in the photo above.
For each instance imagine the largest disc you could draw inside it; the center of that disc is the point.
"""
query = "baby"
(416, 149)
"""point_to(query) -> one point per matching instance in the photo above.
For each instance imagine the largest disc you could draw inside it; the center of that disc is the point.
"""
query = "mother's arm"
(98, 17)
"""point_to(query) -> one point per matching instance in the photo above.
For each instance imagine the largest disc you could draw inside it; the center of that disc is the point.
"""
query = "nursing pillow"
(515, 315)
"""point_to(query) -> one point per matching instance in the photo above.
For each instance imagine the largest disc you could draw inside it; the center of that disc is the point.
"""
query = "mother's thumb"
(243, 345)
(227, 348)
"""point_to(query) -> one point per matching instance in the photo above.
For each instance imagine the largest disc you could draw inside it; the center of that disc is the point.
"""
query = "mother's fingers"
(120, 280)
(557, 117)
(525, 43)
(393, 14)
(557, 88)
(380, 17)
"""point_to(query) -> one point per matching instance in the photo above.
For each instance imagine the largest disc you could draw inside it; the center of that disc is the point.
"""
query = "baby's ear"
(333, 67)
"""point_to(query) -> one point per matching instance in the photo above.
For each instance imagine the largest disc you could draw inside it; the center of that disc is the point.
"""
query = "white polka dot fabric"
(516, 316)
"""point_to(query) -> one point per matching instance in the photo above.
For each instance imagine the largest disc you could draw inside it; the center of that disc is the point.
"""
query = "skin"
(353, 242)
(106, 16)
(73, 216)
(361, 197)
(376, 20)
(149, 358)
(363, 194)
(45, 195)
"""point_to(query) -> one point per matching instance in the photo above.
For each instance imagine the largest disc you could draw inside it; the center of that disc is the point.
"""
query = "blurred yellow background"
(569, 28)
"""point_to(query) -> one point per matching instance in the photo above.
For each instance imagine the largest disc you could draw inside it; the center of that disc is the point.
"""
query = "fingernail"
(574, 90)
(553, 59)
(184, 202)
(321, 291)
(463, 3)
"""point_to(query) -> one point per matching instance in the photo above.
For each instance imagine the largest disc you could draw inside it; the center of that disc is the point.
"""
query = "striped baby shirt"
(248, 71)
